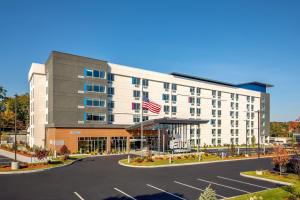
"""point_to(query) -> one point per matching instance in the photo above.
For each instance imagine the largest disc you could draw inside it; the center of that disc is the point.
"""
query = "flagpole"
(142, 115)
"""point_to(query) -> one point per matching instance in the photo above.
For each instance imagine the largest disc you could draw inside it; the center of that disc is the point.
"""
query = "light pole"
(16, 96)
(258, 129)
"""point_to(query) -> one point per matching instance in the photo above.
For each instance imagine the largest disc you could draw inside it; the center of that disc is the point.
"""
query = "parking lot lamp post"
(15, 145)
(258, 128)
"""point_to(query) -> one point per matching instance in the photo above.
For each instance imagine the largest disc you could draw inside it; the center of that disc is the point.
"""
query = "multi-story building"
(88, 104)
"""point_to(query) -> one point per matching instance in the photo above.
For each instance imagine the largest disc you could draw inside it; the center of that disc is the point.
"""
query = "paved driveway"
(102, 178)
(4, 160)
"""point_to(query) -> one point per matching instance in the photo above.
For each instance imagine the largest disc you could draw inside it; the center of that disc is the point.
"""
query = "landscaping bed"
(281, 193)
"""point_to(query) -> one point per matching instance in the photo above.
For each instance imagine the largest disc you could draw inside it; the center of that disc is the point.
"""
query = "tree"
(281, 157)
(65, 152)
(208, 194)
(2, 93)
(41, 153)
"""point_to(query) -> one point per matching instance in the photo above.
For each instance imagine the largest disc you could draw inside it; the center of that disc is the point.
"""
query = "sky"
(232, 41)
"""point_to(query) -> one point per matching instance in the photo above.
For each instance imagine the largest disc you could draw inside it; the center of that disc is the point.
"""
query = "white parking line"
(243, 182)
(80, 197)
(165, 192)
(193, 187)
(125, 194)
(233, 188)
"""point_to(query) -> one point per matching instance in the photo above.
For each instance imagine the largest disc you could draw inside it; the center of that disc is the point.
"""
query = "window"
(219, 123)
(237, 132)
(96, 73)
(232, 140)
(213, 132)
(146, 94)
(192, 90)
(89, 102)
(198, 101)
(110, 77)
(219, 113)
(248, 115)
(232, 105)
(219, 132)
(110, 90)
(198, 133)
(174, 98)
(174, 87)
(237, 106)
(145, 82)
(174, 109)
(110, 104)
(136, 93)
(145, 118)
(219, 94)
(136, 106)
(165, 97)
(232, 96)
(236, 114)
(232, 123)
(248, 99)
(236, 123)
(111, 118)
(252, 99)
(213, 112)
(198, 111)
(213, 141)
(252, 124)
(198, 91)
(95, 117)
(213, 122)
(237, 97)
(231, 114)
(252, 107)
(167, 109)
(192, 100)
(232, 132)
(236, 141)
(219, 141)
(192, 132)
(213, 93)
(99, 88)
(248, 107)
(166, 86)
(88, 73)
(192, 110)
(136, 81)
(213, 102)
(136, 118)
(219, 104)
(102, 74)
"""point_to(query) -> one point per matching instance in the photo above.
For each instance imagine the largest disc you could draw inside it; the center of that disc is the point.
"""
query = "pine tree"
(208, 194)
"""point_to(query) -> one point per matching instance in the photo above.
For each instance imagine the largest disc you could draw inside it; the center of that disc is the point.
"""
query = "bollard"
(15, 165)
(238, 151)
(199, 157)
(170, 159)
(128, 159)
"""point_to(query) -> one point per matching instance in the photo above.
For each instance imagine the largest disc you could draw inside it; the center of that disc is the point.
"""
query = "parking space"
(103, 178)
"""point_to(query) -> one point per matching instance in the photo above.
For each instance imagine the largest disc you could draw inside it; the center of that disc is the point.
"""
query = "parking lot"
(102, 178)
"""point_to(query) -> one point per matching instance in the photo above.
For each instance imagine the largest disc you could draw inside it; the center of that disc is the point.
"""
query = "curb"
(188, 164)
(265, 179)
(40, 170)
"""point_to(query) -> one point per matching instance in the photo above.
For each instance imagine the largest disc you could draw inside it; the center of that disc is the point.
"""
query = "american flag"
(150, 105)
(298, 120)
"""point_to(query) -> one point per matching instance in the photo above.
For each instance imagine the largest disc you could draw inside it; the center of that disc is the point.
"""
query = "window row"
(95, 117)
(94, 102)
(137, 81)
(94, 73)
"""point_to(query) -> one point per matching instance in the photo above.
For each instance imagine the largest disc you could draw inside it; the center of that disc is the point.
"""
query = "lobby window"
(165, 97)
(166, 86)
(110, 77)
(136, 106)
(136, 93)
(198, 111)
(136, 118)
(110, 90)
(174, 87)
(174, 109)
(192, 111)
(192, 90)
(145, 82)
(136, 81)
(166, 109)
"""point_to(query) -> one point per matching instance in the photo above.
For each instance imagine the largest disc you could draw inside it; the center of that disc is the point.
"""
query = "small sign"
(75, 132)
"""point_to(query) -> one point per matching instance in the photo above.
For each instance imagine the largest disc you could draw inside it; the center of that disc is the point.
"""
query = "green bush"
(208, 194)
(55, 162)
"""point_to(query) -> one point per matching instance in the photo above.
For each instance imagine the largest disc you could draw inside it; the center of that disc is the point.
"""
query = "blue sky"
(233, 41)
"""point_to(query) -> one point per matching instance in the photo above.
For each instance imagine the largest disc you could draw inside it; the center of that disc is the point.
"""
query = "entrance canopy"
(154, 124)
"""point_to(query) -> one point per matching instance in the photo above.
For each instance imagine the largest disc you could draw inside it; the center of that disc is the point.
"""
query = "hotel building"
(92, 105)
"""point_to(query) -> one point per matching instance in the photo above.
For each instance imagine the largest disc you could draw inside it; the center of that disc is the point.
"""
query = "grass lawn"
(277, 193)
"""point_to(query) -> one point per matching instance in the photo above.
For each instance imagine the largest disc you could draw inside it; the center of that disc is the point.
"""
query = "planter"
(15, 165)
(259, 172)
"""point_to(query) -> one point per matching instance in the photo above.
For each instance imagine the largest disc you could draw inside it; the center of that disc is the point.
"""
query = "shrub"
(55, 162)
(138, 160)
(41, 153)
(178, 157)
(208, 194)
(186, 157)
(281, 157)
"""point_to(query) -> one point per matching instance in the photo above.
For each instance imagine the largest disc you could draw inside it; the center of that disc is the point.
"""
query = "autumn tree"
(281, 157)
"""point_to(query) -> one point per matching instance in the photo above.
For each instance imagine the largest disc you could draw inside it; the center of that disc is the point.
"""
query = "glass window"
(136, 118)
(192, 110)
(110, 77)
(136, 81)
(102, 103)
(89, 73)
(198, 90)
(146, 94)
(89, 102)
(111, 104)
(102, 89)
(198, 111)
(174, 98)
(145, 82)
(136, 106)
(111, 118)
(110, 90)
(198, 101)
(192, 89)
(191, 99)
(174, 109)
(174, 87)
(165, 97)
(96, 73)
(96, 102)
(166, 86)
(166, 108)
(102, 74)
(89, 88)
(136, 93)
(214, 92)
(96, 88)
